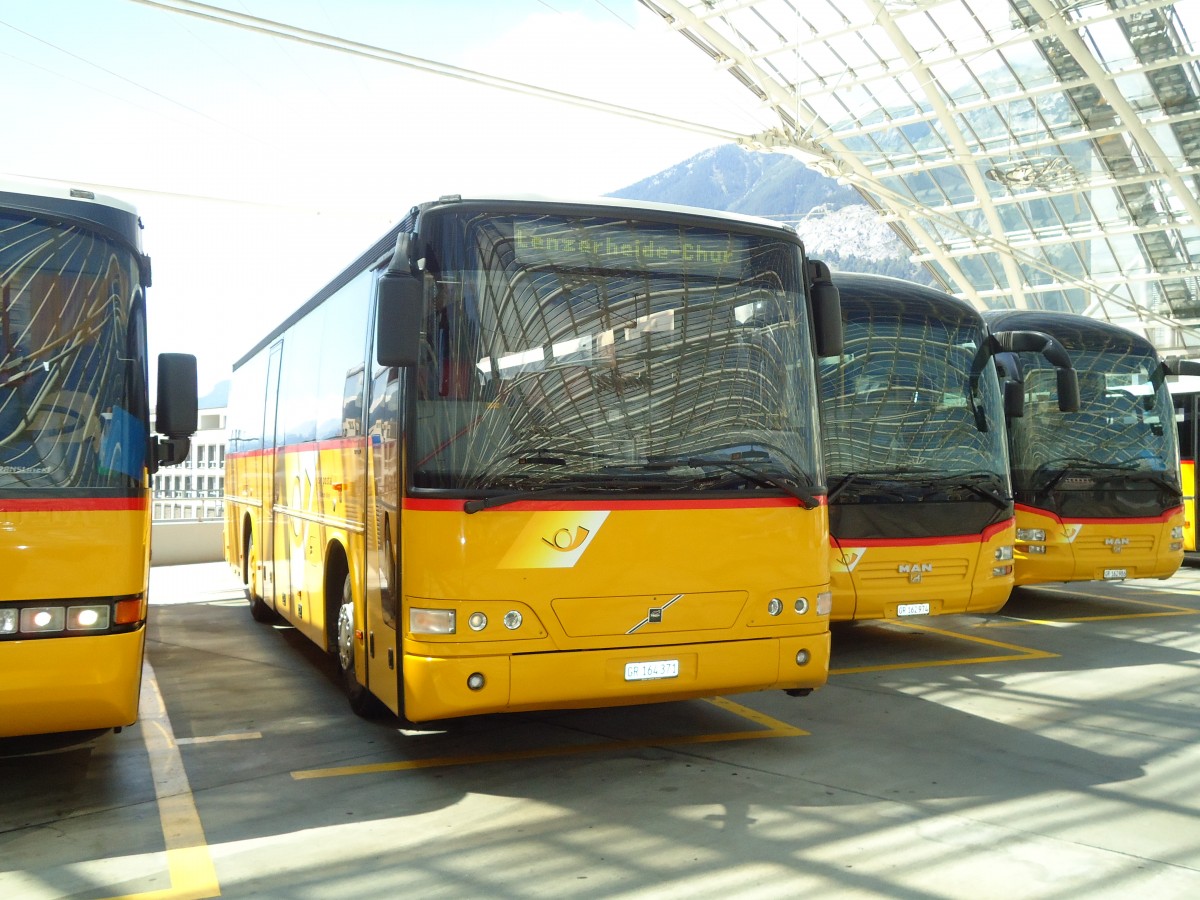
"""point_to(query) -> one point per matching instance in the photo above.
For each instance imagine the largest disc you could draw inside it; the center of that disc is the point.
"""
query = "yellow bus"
(920, 500)
(1098, 490)
(1185, 392)
(76, 454)
(527, 455)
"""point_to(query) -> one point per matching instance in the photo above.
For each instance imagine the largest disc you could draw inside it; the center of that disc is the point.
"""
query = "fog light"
(431, 621)
(477, 621)
(1036, 549)
(475, 681)
(774, 606)
(8, 621)
(802, 657)
(1031, 534)
(43, 620)
(512, 620)
(999, 571)
(87, 618)
(802, 605)
(1176, 545)
(1004, 553)
(824, 603)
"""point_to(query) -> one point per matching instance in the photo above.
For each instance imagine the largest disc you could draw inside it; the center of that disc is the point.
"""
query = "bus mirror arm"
(1176, 365)
(1066, 381)
(826, 309)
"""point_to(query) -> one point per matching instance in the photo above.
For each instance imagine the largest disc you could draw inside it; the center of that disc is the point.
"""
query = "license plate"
(1116, 573)
(650, 671)
(912, 609)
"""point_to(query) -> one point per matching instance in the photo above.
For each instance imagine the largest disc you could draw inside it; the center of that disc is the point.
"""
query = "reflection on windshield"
(72, 373)
(896, 402)
(581, 352)
(1124, 423)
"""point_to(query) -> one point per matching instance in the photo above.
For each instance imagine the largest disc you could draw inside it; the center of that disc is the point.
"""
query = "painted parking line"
(221, 738)
(1161, 610)
(770, 728)
(189, 862)
(1016, 653)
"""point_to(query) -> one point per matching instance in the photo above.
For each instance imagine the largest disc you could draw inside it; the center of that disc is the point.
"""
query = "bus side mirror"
(826, 310)
(1067, 384)
(1014, 400)
(398, 320)
(1177, 366)
(176, 409)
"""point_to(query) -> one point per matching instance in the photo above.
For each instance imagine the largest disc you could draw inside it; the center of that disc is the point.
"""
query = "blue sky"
(261, 166)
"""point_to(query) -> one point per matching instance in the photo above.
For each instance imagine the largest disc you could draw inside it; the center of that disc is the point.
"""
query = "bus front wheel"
(259, 610)
(362, 701)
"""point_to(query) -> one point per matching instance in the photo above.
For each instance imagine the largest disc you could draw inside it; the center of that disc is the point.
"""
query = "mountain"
(833, 220)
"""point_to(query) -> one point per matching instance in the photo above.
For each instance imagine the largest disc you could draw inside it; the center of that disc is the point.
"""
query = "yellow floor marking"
(1018, 653)
(1165, 610)
(189, 863)
(216, 738)
(772, 728)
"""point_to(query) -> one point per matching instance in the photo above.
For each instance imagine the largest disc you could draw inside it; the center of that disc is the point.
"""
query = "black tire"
(259, 610)
(362, 701)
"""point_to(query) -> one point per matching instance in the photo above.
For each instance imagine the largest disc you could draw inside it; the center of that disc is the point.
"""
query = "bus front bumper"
(442, 688)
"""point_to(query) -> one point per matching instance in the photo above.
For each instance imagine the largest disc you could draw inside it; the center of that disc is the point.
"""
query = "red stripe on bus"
(1131, 520)
(417, 503)
(74, 504)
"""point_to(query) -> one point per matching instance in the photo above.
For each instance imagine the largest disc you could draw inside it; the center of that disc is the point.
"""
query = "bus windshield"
(72, 363)
(897, 403)
(1125, 420)
(590, 352)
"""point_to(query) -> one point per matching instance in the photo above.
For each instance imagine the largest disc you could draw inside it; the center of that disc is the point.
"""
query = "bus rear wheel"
(362, 701)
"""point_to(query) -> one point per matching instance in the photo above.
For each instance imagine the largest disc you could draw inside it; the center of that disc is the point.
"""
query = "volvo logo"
(914, 571)
(655, 614)
(1116, 543)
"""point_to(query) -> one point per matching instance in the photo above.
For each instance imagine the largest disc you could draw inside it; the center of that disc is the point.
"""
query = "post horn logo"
(564, 542)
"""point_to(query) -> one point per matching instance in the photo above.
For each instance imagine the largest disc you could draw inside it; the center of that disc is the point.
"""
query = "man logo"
(1117, 543)
(914, 571)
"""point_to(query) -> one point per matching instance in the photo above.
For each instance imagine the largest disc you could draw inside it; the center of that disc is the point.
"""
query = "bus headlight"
(1004, 553)
(1031, 534)
(1177, 533)
(477, 621)
(43, 620)
(87, 618)
(430, 621)
(824, 603)
(774, 606)
(8, 621)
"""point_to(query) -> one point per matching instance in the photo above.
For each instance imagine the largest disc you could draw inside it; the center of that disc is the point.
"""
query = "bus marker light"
(43, 620)
(431, 621)
(824, 603)
(477, 621)
(802, 657)
(512, 620)
(8, 621)
(475, 681)
(129, 611)
(774, 606)
(802, 605)
(87, 618)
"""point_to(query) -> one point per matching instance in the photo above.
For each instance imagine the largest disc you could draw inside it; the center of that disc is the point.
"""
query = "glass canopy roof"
(1031, 153)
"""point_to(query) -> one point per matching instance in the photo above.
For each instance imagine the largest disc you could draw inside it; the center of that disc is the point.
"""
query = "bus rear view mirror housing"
(1014, 399)
(176, 409)
(401, 308)
(826, 310)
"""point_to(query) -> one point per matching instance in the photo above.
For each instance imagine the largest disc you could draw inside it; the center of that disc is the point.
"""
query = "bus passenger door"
(268, 490)
(384, 442)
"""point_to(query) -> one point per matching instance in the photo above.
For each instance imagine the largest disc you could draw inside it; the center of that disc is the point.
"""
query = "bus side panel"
(70, 684)
(1187, 470)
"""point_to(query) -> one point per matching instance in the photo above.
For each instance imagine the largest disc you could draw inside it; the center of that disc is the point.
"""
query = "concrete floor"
(1052, 750)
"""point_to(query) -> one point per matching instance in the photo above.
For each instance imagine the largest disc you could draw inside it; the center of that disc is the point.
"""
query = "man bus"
(920, 500)
(76, 455)
(526, 455)
(1098, 490)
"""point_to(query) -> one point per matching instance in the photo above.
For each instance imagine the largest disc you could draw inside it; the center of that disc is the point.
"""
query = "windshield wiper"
(490, 502)
(807, 499)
